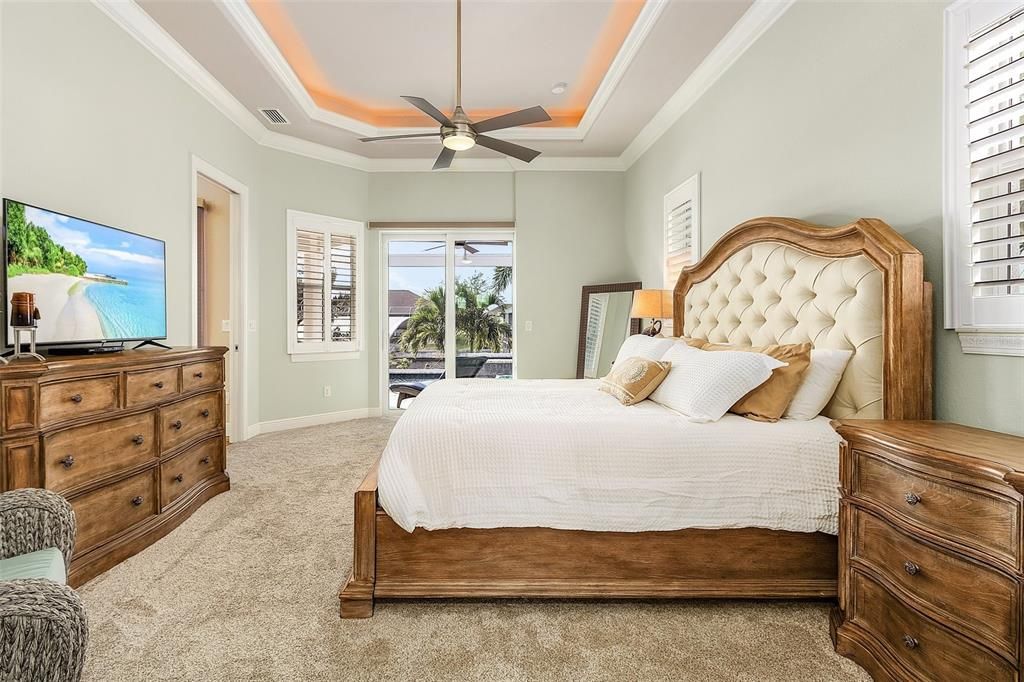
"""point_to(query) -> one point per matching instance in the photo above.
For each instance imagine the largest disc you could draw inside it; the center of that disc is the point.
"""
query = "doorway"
(430, 333)
(219, 217)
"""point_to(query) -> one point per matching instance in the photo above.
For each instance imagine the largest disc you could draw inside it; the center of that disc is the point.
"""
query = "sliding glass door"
(448, 310)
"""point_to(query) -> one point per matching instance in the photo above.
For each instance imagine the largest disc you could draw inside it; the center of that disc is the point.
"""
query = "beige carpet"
(247, 590)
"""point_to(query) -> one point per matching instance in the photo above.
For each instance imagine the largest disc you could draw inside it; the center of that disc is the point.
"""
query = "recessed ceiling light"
(559, 88)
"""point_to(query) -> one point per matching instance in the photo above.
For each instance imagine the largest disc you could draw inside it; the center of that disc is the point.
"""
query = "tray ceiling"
(336, 69)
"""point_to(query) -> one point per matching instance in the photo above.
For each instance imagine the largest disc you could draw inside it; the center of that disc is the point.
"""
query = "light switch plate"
(225, 325)
(528, 325)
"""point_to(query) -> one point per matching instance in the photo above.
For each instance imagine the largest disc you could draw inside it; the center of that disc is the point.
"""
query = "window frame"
(327, 226)
(983, 336)
(688, 188)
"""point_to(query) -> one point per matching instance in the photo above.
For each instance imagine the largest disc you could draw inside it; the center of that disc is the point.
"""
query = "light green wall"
(833, 114)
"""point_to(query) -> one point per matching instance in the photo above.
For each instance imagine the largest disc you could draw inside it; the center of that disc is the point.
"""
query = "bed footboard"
(357, 593)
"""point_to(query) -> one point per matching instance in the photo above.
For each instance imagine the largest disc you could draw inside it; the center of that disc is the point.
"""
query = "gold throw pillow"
(633, 379)
(768, 402)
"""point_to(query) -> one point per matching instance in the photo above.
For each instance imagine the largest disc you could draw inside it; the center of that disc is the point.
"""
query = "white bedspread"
(484, 453)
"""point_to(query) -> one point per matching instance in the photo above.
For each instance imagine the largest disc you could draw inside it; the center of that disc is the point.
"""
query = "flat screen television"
(92, 283)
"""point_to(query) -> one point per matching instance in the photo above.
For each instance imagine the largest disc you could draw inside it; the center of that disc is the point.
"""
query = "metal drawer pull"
(910, 642)
(912, 498)
(911, 568)
(205, 413)
(198, 375)
(76, 398)
(137, 500)
(138, 439)
(68, 462)
(179, 478)
(159, 384)
(176, 424)
(204, 460)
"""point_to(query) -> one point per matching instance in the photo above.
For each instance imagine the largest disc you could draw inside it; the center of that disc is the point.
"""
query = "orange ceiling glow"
(282, 31)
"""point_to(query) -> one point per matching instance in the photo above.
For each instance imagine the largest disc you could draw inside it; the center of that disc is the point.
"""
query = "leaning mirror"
(604, 325)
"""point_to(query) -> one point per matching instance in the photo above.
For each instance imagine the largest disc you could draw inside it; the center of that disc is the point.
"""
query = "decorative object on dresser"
(604, 324)
(930, 569)
(135, 441)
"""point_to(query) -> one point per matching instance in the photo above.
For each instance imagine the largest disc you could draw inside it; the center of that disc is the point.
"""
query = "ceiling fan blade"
(516, 118)
(428, 109)
(444, 159)
(397, 137)
(516, 151)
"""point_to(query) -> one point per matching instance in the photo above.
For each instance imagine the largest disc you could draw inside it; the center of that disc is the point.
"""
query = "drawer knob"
(138, 439)
(137, 500)
(179, 478)
(912, 498)
(76, 398)
(204, 460)
(205, 413)
(176, 424)
(198, 375)
(68, 462)
(159, 384)
(910, 642)
(911, 568)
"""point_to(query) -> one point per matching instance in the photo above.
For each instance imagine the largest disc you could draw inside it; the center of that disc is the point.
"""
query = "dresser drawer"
(184, 420)
(103, 513)
(182, 472)
(962, 513)
(980, 597)
(927, 648)
(88, 452)
(151, 385)
(77, 398)
(199, 375)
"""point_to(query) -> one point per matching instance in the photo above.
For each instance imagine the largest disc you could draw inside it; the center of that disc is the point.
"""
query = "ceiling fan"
(459, 133)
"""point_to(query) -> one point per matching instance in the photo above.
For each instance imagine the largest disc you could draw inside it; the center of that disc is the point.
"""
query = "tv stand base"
(150, 342)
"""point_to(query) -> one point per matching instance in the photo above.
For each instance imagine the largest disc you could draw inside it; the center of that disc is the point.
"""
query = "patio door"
(447, 310)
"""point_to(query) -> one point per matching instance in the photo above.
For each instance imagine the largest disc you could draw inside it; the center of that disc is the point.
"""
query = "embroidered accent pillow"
(633, 379)
(769, 401)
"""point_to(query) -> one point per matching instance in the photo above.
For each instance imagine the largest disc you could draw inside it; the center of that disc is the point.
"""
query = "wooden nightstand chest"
(930, 568)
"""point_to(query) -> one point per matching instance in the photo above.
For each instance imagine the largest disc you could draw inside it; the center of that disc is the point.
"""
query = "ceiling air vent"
(274, 116)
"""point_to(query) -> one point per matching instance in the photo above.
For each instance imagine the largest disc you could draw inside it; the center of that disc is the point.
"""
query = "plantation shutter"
(682, 229)
(598, 308)
(325, 256)
(995, 121)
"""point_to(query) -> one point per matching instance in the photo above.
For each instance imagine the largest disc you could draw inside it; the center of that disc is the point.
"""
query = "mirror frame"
(634, 323)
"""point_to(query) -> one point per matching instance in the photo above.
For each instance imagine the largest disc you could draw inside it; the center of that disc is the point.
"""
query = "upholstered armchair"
(43, 628)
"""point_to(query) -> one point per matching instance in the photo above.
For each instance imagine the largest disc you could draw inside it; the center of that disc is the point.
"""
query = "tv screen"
(91, 282)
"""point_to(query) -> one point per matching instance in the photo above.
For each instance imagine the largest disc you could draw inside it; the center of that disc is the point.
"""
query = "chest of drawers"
(134, 440)
(930, 565)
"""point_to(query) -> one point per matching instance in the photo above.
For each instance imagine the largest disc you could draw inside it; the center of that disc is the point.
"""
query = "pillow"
(769, 401)
(819, 383)
(702, 386)
(633, 379)
(642, 346)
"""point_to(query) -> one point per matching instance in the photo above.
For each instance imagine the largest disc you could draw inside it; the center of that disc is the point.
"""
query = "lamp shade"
(652, 303)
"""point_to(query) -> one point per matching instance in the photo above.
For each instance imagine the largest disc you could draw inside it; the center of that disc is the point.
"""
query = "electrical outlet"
(225, 325)
(327, 390)
(528, 325)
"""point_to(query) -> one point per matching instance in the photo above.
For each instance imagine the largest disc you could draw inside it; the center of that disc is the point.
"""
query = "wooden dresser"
(930, 551)
(135, 440)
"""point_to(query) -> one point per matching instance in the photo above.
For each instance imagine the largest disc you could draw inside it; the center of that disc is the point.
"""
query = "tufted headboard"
(858, 287)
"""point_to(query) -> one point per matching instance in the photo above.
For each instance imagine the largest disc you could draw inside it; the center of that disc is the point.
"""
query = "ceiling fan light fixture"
(459, 141)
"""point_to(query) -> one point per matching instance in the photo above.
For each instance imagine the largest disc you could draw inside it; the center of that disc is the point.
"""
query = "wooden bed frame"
(388, 562)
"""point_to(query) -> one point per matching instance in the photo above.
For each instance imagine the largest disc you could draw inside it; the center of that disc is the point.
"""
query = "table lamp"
(652, 303)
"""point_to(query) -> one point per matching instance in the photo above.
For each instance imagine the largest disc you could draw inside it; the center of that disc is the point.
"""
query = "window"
(595, 333)
(682, 229)
(984, 183)
(325, 289)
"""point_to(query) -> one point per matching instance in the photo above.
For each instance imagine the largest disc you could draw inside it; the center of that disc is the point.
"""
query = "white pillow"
(702, 385)
(643, 346)
(819, 383)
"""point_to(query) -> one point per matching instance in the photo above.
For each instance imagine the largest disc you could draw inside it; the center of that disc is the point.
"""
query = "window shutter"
(682, 229)
(343, 288)
(598, 308)
(995, 121)
(309, 287)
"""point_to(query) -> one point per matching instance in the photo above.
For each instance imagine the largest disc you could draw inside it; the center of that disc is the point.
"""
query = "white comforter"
(483, 453)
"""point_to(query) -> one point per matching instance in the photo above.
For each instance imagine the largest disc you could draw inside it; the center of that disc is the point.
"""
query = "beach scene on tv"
(91, 282)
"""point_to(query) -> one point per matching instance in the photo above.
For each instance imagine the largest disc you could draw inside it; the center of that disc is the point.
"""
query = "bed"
(599, 500)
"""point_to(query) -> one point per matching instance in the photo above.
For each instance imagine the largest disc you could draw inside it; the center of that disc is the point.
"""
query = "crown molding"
(744, 33)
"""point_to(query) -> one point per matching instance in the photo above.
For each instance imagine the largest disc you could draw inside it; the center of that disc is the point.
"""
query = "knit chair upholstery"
(43, 626)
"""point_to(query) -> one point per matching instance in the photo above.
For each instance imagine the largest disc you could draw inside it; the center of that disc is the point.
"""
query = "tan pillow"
(633, 379)
(768, 402)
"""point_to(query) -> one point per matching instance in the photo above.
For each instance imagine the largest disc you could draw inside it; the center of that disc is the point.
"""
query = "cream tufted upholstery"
(769, 292)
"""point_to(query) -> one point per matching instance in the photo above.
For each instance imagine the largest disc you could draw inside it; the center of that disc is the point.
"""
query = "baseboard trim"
(275, 425)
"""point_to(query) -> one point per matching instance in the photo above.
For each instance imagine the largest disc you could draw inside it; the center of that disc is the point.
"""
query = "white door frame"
(449, 237)
(238, 290)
